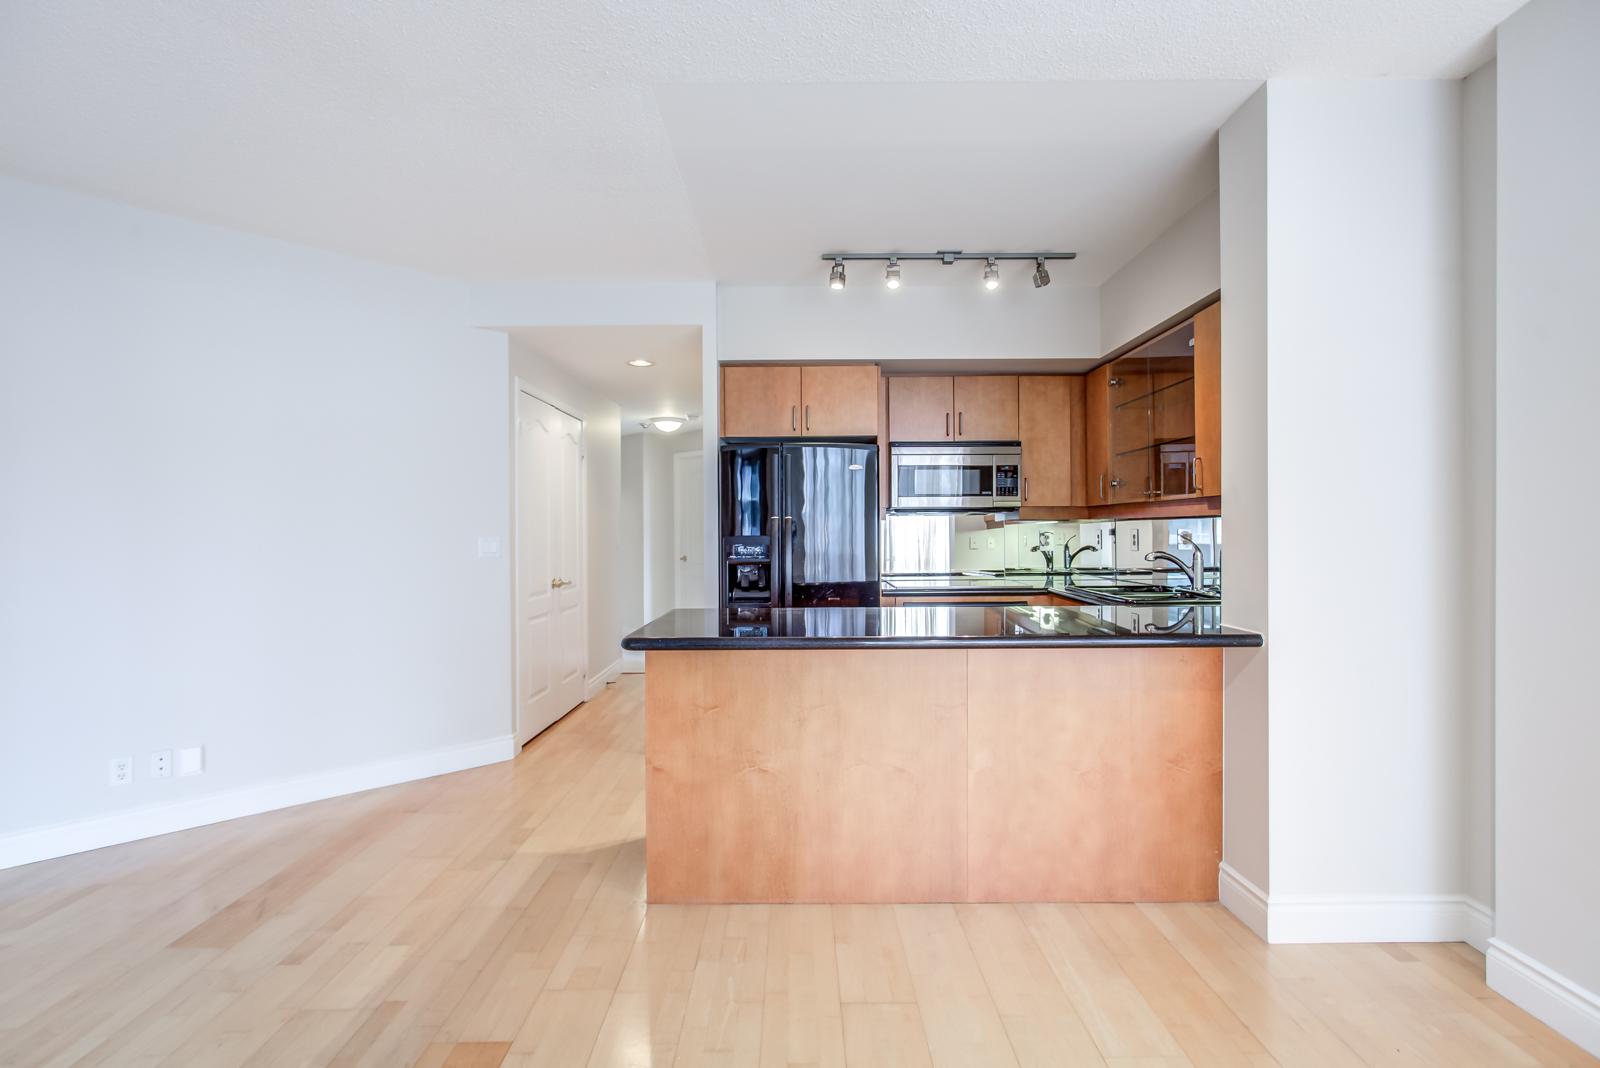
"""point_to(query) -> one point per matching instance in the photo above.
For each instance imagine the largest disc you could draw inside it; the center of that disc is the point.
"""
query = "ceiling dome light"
(991, 276)
(666, 426)
(1041, 277)
(836, 276)
(641, 363)
(891, 277)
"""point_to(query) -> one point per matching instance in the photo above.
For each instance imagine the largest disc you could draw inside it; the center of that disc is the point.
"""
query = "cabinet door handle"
(946, 424)
(808, 418)
(959, 431)
(1199, 470)
(1024, 489)
(794, 417)
(1102, 487)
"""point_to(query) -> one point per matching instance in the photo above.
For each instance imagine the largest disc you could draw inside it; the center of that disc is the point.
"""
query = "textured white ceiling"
(598, 357)
(490, 139)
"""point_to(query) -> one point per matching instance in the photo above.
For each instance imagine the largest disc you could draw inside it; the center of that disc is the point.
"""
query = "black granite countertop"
(1197, 626)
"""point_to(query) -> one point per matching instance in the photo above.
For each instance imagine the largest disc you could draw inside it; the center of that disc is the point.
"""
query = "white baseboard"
(1377, 918)
(597, 682)
(1243, 898)
(1355, 918)
(632, 661)
(77, 836)
(1549, 995)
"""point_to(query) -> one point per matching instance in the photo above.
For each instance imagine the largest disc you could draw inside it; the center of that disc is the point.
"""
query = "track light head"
(991, 276)
(891, 277)
(1041, 277)
(836, 276)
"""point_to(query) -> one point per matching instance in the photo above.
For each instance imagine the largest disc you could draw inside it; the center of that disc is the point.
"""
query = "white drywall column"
(1546, 951)
(1345, 250)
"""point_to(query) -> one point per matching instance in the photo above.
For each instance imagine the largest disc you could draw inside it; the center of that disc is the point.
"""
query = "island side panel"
(1094, 774)
(806, 775)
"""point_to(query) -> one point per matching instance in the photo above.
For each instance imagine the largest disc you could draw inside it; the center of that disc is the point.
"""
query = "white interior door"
(550, 632)
(688, 531)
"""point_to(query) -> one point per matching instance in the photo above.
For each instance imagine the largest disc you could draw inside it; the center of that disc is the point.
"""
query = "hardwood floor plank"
(958, 1013)
(884, 1035)
(1039, 1018)
(871, 955)
(800, 1016)
(722, 1021)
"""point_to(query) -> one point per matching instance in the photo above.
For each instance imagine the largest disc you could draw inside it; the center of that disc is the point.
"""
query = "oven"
(976, 477)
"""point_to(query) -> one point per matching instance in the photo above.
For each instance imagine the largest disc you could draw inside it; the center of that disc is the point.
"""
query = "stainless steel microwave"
(955, 476)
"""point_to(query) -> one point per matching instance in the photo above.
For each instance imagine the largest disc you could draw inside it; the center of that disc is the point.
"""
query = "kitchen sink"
(1145, 594)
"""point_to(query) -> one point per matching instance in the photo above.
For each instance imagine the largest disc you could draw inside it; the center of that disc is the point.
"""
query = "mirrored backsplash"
(938, 544)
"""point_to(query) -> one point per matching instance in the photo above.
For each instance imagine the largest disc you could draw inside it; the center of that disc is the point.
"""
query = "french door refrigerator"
(799, 524)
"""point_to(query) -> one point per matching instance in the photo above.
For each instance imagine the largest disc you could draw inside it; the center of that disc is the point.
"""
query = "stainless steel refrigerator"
(799, 524)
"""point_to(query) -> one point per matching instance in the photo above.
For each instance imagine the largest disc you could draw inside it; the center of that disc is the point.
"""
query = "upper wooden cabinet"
(786, 401)
(1154, 418)
(1208, 402)
(986, 407)
(839, 401)
(1050, 423)
(921, 408)
(760, 401)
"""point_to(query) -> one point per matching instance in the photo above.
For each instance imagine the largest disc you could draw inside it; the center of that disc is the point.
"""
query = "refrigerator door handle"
(772, 559)
(788, 561)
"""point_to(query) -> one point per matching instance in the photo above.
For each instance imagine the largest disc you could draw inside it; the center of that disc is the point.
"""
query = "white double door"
(550, 592)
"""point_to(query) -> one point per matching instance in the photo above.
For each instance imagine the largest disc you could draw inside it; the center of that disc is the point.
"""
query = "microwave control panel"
(1006, 482)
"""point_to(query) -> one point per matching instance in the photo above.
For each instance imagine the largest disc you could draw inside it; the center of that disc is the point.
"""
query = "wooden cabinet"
(786, 401)
(921, 408)
(1050, 425)
(760, 401)
(1208, 402)
(986, 407)
(1097, 435)
(839, 400)
(1154, 418)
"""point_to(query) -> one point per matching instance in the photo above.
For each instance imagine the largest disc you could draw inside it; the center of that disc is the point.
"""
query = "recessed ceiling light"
(641, 363)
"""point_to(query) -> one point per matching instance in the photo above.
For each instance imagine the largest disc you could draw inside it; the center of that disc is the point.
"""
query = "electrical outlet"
(161, 764)
(191, 761)
(121, 771)
(972, 541)
(991, 541)
(1099, 540)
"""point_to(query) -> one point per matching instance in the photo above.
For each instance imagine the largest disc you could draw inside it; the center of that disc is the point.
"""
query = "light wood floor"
(496, 916)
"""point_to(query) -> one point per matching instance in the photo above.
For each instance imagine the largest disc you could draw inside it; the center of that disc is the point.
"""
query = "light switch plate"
(161, 764)
(191, 761)
(972, 541)
(121, 771)
(488, 546)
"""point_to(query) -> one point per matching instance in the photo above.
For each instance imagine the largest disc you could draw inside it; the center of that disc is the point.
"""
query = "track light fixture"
(991, 270)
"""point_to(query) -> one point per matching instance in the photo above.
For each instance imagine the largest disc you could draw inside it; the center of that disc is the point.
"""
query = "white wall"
(660, 595)
(1242, 214)
(1546, 954)
(603, 501)
(1180, 268)
(1478, 461)
(867, 321)
(243, 484)
(630, 553)
(1359, 290)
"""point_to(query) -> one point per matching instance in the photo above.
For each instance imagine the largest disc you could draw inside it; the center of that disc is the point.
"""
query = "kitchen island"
(933, 754)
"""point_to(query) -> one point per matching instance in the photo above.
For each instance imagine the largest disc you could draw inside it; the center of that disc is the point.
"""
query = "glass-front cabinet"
(1152, 405)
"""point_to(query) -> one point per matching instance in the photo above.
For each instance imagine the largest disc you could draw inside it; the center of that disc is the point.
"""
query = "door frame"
(700, 456)
(519, 386)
